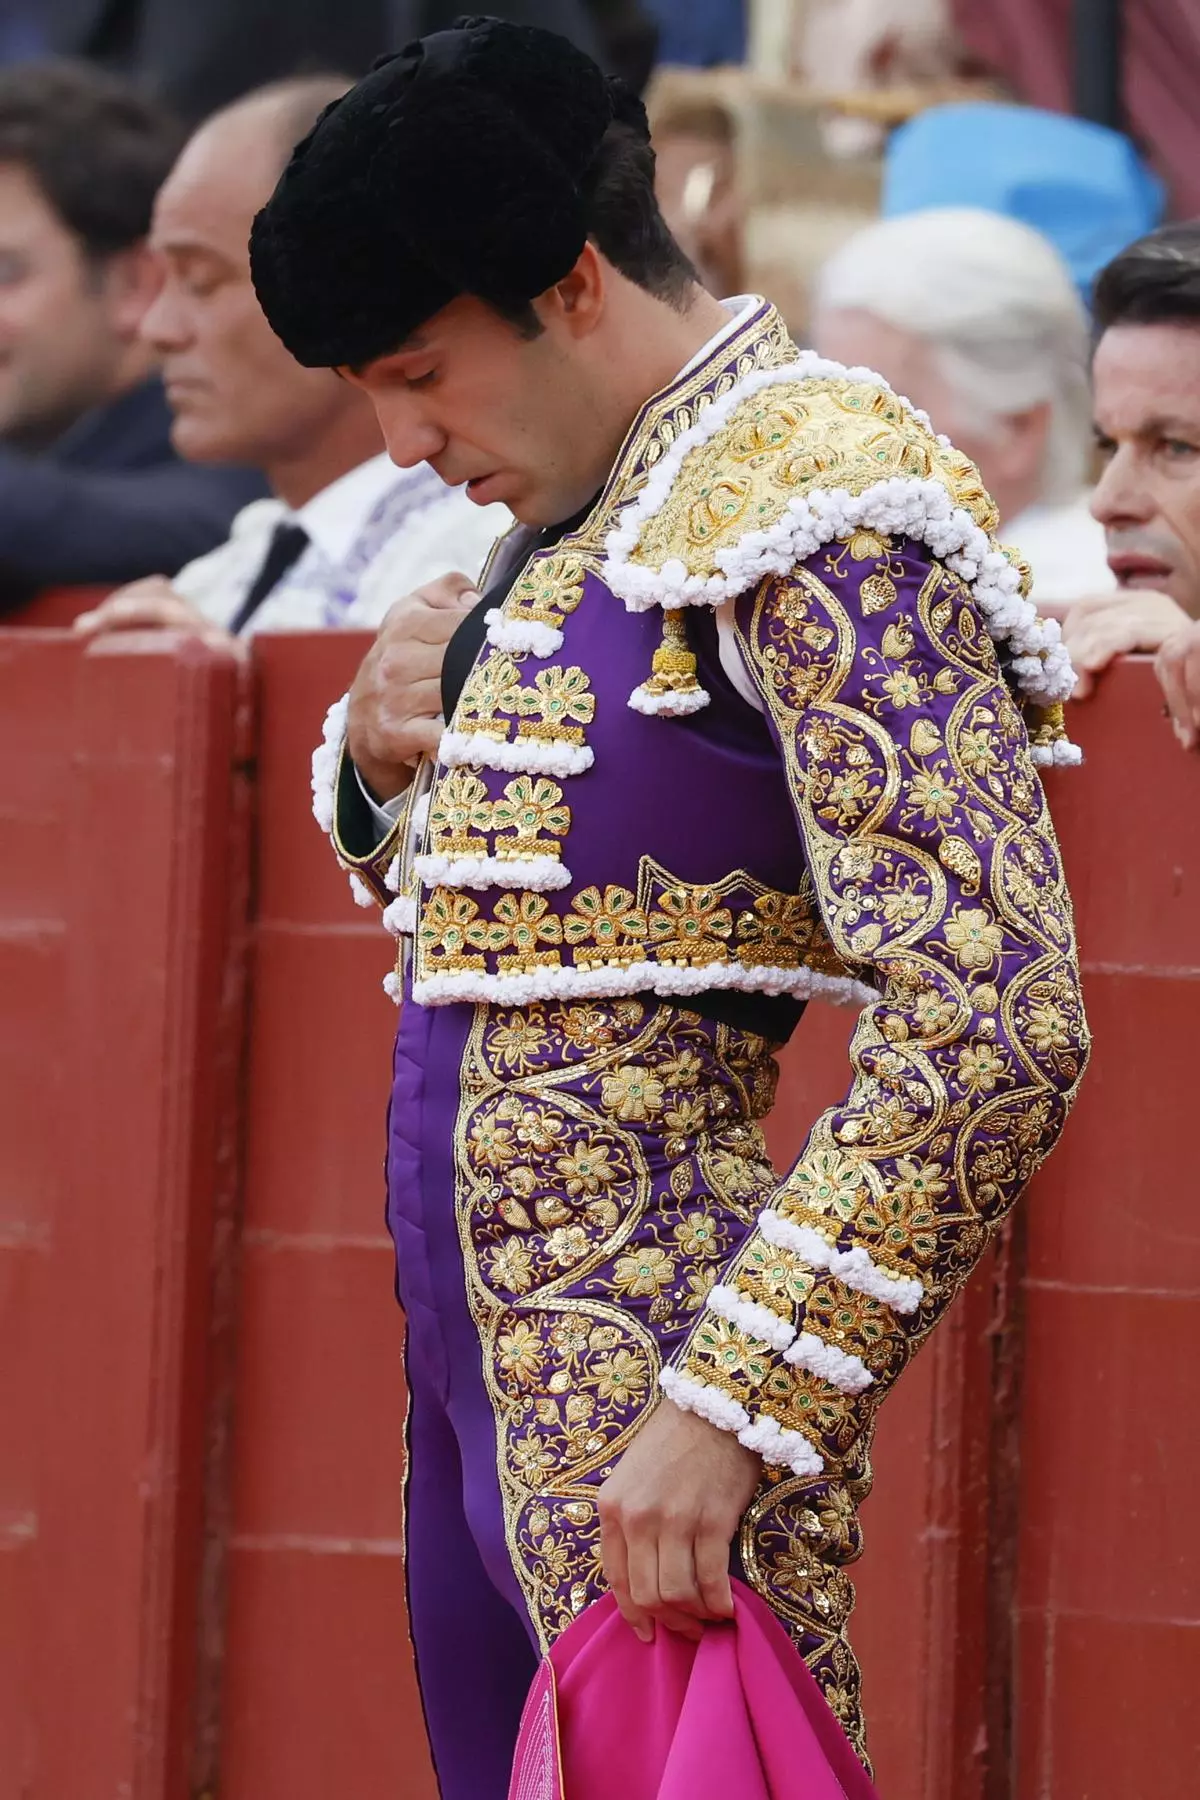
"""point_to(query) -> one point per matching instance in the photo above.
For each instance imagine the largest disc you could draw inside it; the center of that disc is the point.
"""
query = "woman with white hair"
(975, 318)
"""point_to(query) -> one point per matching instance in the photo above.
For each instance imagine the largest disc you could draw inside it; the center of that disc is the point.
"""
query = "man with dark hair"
(90, 489)
(1146, 403)
(727, 728)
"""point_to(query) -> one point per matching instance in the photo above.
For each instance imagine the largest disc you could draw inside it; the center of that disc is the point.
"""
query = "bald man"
(346, 532)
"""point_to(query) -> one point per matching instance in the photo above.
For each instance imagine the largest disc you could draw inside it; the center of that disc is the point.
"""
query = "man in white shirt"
(975, 317)
(346, 532)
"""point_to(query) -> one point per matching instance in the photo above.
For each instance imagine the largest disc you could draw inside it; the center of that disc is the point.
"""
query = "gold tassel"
(1048, 725)
(672, 688)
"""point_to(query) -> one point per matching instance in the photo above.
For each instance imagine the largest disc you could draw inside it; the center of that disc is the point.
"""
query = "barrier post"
(139, 1037)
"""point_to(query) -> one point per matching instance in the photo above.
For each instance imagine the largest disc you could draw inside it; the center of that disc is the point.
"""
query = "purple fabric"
(457, 1565)
(717, 767)
(736, 1717)
(499, 1563)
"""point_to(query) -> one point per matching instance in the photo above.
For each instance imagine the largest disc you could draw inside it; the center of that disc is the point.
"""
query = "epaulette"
(788, 460)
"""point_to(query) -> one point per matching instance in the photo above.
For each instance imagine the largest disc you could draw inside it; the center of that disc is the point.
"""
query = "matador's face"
(510, 408)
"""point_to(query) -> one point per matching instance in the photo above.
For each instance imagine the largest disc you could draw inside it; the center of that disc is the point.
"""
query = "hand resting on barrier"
(147, 605)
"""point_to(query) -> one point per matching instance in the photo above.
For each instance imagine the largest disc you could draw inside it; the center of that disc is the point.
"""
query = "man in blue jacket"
(90, 488)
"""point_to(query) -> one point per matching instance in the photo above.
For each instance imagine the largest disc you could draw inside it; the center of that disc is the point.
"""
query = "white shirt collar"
(334, 517)
(739, 309)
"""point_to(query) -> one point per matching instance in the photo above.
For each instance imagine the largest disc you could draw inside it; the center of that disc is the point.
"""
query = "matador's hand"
(668, 1513)
(396, 702)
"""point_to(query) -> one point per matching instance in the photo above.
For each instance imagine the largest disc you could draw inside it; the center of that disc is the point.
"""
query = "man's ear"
(578, 300)
(132, 279)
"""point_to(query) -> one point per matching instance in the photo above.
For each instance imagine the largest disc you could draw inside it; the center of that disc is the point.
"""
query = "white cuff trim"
(782, 1449)
(903, 1293)
(325, 763)
(849, 1374)
(752, 1318)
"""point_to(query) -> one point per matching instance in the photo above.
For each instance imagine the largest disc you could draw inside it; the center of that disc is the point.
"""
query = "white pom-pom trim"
(391, 876)
(606, 982)
(781, 1449)
(536, 874)
(904, 506)
(392, 987)
(849, 1374)
(669, 705)
(420, 814)
(363, 895)
(522, 637)
(325, 763)
(903, 1293)
(1061, 754)
(526, 756)
(400, 918)
(755, 1320)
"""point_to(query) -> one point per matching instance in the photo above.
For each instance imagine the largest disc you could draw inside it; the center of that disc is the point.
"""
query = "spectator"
(976, 319)
(1146, 376)
(90, 489)
(346, 532)
(695, 182)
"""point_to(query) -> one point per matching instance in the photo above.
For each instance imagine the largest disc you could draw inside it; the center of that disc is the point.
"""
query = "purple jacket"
(833, 789)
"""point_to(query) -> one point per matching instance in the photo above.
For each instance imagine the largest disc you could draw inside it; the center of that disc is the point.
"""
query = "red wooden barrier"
(1109, 1577)
(319, 1699)
(121, 850)
(152, 1658)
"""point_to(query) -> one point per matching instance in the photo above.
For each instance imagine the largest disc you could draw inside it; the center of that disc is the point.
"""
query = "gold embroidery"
(832, 432)
(548, 590)
(530, 819)
(735, 922)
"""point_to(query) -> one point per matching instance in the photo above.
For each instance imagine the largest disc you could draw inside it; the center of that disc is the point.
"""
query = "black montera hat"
(459, 166)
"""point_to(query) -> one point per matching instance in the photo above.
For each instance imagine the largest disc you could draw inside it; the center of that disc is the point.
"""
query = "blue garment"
(110, 502)
(699, 33)
(1081, 185)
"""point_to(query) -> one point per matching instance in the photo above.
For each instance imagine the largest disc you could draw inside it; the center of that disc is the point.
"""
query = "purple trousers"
(564, 1184)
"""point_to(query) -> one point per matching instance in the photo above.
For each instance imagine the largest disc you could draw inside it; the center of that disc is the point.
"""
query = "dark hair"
(625, 224)
(97, 148)
(1156, 281)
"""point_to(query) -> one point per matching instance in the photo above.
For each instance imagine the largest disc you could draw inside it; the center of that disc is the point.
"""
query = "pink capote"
(736, 1717)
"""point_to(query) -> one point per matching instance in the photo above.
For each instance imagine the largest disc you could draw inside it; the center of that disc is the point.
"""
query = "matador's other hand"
(668, 1513)
(395, 702)
(1178, 669)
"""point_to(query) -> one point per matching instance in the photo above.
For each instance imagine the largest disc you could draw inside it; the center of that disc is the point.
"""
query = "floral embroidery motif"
(588, 1249)
(738, 926)
(932, 851)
